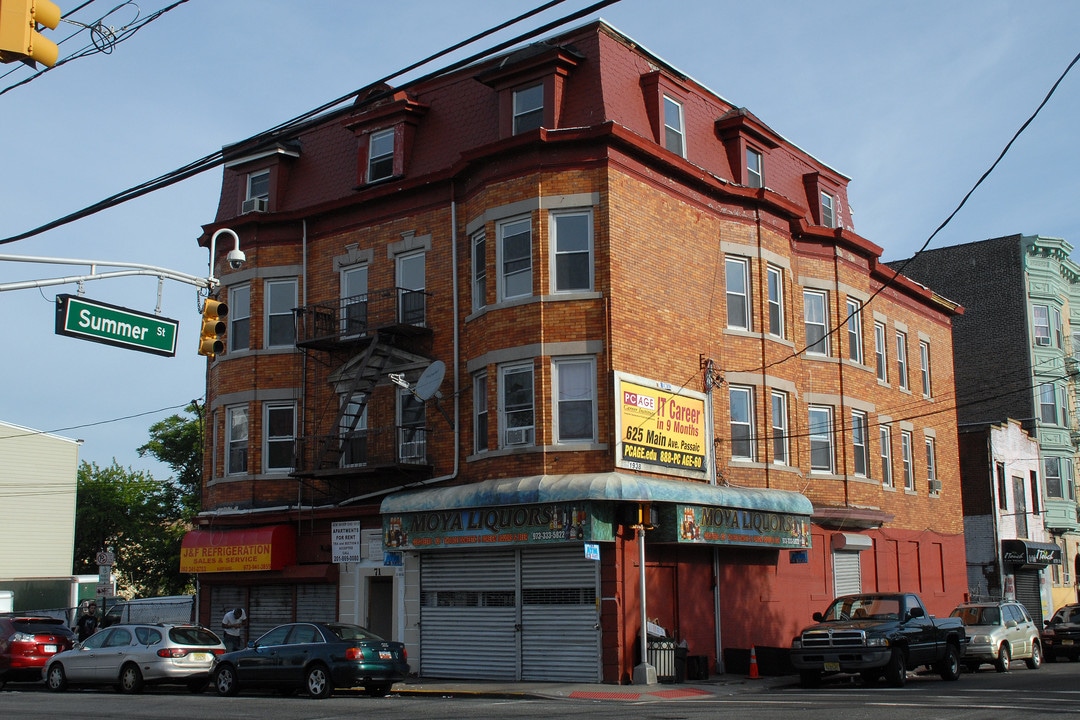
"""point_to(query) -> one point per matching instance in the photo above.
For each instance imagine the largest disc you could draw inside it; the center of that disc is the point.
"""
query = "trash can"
(681, 653)
(662, 657)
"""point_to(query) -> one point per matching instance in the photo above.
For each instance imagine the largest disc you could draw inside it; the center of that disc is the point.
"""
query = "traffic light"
(211, 340)
(19, 36)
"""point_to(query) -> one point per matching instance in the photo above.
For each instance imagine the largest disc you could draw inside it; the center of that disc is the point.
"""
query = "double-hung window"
(742, 422)
(885, 433)
(239, 318)
(906, 457)
(737, 274)
(571, 242)
(780, 428)
(236, 440)
(412, 428)
(479, 270)
(755, 171)
(1052, 477)
(924, 367)
(1041, 324)
(881, 352)
(1048, 411)
(574, 380)
(516, 405)
(828, 210)
(515, 258)
(480, 411)
(354, 300)
(380, 155)
(280, 436)
(775, 277)
(854, 330)
(816, 322)
(901, 361)
(258, 185)
(280, 301)
(354, 431)
(821, 439)
(674, 130)
(528, 108)
(931, 464)
(1002, 486)
(859, 443)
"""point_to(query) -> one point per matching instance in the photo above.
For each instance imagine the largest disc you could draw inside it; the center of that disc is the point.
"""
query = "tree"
(138, 517)
(178, 442)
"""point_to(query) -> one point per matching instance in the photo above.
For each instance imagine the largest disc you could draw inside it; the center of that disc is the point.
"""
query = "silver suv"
(998, 633)
(131, 656)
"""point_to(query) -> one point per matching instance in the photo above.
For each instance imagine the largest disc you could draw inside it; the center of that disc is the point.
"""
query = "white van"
(167, 609)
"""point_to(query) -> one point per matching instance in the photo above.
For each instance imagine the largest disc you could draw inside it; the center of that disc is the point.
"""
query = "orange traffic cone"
(753, 664)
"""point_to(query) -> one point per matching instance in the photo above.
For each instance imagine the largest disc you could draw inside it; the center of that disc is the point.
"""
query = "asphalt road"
(1021, 694)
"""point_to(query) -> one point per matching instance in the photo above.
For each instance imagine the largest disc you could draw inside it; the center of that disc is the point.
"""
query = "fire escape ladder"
(369, 371)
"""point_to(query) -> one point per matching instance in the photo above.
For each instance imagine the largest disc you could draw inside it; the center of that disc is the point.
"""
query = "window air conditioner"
(517, 436)
(254, 205)
(935, 486)
(1040, 340)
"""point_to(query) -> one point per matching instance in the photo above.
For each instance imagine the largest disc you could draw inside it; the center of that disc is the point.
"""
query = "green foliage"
(141, 518)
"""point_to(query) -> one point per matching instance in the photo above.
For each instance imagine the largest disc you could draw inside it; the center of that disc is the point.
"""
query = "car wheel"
(55, 678)
(809, 678)
(949, 666)
(1035, 661)
(1004, 659)
(317, 681)
(131, 680)
(225, 681)
(896, 670)
(377, 690)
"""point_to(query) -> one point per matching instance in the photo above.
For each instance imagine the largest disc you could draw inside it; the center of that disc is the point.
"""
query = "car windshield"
(857, 608)
(193, 636)
(352, 632)
(978, 615)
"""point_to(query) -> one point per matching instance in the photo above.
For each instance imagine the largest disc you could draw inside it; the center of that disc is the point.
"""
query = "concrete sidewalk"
(719, 685)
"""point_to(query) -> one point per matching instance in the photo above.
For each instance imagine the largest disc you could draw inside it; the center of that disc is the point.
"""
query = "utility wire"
(217, 158)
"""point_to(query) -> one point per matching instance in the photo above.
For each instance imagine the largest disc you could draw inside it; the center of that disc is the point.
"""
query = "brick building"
(518, 326)
(1016, 355)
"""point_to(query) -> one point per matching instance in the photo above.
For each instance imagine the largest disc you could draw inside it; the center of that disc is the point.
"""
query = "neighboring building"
(500, 323)
(1009, 552)
(38, 481)
(1016, 356)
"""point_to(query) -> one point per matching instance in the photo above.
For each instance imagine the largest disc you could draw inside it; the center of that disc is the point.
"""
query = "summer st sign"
(114, 325)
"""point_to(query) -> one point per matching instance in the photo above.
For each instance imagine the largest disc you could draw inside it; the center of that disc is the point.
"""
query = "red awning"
(263, 548)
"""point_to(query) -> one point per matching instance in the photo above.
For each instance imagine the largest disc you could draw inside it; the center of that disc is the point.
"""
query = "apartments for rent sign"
(661, 429)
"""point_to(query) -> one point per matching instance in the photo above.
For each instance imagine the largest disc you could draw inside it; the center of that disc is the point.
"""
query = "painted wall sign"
(506, 525)
(660, 429)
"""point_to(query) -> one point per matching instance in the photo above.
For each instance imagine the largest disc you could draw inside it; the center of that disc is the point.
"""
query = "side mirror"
(817, 617)
(916, 612)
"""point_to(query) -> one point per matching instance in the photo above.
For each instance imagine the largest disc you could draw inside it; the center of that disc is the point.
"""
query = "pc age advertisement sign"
(661, 428)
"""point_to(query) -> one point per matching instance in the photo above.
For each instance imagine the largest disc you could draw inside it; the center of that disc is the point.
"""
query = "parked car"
(998, 633)
(27, 642)
(131, 656)
(876, 635)
(316, 657)
(1061, 634)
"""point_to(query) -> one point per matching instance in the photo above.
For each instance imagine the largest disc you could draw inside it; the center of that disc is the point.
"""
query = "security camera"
(236, 258)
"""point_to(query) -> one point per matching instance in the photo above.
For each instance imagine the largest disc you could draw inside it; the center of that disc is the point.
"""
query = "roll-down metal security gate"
(525, 614)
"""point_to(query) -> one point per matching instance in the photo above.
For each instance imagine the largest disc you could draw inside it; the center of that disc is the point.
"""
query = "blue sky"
(913, 101)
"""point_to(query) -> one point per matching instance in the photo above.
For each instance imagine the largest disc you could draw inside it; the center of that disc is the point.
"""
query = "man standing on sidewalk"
(233, 627)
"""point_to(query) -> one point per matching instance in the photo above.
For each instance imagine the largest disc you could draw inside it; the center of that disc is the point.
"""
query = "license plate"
(200, 657)
(50, 648)
(386, 655)
(832, 667)
(1066, 642)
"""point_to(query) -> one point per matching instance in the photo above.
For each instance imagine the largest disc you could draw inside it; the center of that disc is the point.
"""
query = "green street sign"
(113, 325)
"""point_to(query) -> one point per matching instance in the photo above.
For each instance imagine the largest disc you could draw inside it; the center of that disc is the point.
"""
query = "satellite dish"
(430, 380)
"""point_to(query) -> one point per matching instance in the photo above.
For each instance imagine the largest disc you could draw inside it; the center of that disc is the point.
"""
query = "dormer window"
(380, 155)
(824, 196)
(755, 171)
(828, 210)
(261, 176)
(529, 87)
(674, 132)
(258, 185)
(528, 108)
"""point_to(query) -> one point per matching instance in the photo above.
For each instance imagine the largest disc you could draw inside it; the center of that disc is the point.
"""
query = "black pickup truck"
(878, 635)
